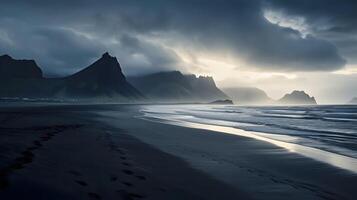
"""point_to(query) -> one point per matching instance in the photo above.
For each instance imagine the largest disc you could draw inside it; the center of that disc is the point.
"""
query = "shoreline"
(246, 163)
(64, 152)
(114, 155)
(334, 159)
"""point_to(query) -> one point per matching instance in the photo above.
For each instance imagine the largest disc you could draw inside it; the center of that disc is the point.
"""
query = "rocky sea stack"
(298, 97)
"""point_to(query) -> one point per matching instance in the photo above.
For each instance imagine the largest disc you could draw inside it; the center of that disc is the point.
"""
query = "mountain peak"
(103, 77)
(107, 55)
(105, 69)
(108, 59)
(5, 56)
(298, 97)
(298, 92)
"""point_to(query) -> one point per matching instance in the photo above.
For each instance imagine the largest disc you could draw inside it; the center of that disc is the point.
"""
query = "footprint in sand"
(113, 178)
(128, 172)
(127, 184)
(81, 183)
(27, 156)
(77, 174)
(126, 164)
(94, 195)
(121, 151)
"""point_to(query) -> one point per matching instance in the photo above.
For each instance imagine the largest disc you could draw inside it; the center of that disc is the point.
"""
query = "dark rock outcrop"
(222, 102)
(297, 97)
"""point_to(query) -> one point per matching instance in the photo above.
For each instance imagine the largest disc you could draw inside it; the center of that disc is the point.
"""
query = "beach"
(113, 152)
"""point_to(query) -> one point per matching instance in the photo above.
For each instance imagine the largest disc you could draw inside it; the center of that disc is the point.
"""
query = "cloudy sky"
(276, 45)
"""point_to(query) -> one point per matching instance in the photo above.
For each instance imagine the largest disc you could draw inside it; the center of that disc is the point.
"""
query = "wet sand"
(107, 152)
(64, 152)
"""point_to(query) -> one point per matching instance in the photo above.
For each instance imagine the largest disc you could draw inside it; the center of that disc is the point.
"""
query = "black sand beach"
(108, 152)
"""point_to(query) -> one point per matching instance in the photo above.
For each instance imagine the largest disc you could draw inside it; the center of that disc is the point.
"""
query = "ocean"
(325, 132)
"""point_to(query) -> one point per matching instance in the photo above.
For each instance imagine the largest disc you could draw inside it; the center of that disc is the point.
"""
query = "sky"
(275, 45)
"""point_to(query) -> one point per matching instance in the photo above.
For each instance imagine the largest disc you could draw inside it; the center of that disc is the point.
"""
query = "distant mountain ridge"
(256, 96)
(248, 95)
(101, 80)
(173, 86)
(297, 98)
(104, 80)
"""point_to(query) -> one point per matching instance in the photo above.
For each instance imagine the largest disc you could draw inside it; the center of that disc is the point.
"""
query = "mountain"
(18, 69)
(20, 78)
(222, 102)
(297, 97)
(353, 101)
(248, 95)
(173, 86)
(102, 80)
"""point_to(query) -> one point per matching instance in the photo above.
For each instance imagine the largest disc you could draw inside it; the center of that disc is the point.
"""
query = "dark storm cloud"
(145, 56)
(54, 48)
(332, 20)
(327, 15)
(65, 43)
(65, 35)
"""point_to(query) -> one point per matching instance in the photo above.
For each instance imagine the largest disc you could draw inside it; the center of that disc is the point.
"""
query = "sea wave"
(331, 128)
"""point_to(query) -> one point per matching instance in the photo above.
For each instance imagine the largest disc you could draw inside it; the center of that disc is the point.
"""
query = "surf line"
(334, 159)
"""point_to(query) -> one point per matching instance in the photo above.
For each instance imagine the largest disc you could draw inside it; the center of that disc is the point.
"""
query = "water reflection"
(337, 160)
